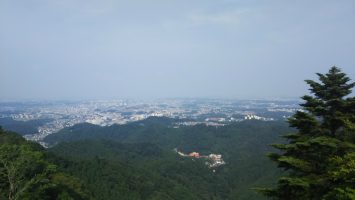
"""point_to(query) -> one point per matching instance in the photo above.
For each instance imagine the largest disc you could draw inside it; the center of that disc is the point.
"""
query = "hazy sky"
(104, 49)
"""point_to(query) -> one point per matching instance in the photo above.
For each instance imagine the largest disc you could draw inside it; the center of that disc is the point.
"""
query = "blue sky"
(104, 49)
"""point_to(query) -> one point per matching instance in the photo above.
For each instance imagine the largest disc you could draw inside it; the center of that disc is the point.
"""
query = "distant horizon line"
(150, 99)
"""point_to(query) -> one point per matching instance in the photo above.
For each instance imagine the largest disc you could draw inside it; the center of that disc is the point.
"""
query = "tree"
(26, 174)
(319, 159)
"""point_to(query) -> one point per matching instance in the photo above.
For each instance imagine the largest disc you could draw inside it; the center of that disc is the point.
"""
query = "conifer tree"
(319, 158)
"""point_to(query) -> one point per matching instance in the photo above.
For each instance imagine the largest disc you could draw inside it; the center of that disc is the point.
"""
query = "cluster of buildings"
(212, 160)
(255, 117)
(61, 114)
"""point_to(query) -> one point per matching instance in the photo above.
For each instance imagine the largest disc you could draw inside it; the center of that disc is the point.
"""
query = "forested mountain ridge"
(22, 127)
(137, 161)
(147, 146)
(189, 138)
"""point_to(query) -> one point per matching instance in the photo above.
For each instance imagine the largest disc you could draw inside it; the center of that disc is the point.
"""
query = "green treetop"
(319, 157)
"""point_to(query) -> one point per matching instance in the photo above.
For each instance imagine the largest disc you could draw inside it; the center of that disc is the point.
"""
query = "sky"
(113, 49)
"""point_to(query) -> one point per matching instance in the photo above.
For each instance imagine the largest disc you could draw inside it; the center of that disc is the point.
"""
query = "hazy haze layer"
(76, 49)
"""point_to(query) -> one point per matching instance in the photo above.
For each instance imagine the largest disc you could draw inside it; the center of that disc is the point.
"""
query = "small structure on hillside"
(212, 160)
(194, 154)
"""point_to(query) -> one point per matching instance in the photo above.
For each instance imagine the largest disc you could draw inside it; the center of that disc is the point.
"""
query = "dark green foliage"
(319, 158)
(25, 173)
(137, 161)
(128, 171)
(145, 149)
(22, 127)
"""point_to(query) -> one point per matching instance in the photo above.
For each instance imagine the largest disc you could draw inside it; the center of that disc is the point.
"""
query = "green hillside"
(138, 161)
(145, 149)
(27, 174)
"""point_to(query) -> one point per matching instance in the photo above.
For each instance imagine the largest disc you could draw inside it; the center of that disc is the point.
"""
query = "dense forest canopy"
(138, 161)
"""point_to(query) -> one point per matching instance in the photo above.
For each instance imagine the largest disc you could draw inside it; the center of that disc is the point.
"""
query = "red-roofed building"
(194, 154)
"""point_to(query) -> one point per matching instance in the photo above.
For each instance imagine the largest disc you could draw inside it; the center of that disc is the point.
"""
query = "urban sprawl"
(61, 114)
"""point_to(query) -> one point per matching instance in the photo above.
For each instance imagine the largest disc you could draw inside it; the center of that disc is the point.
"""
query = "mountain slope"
(148, 147)
(27, 173)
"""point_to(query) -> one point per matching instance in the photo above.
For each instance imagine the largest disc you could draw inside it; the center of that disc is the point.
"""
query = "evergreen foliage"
(319, 158)
(140, 157)
(137, 161)
(26, 174)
